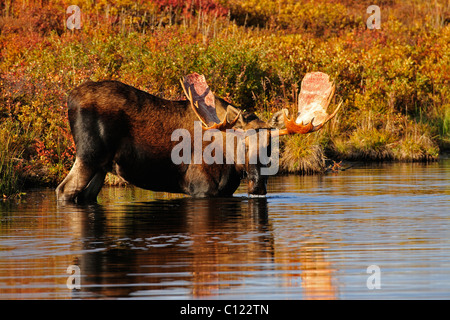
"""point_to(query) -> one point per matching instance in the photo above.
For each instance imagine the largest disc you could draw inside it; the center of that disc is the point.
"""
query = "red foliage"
(209, 6)
(40, 19)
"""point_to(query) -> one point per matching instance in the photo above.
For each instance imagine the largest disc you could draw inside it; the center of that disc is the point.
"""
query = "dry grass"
(302, 154)
(415, 147)
(10, 182)
(387, 142)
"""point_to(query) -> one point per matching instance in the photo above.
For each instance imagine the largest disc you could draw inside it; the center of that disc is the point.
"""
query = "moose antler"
(202, 102)
(315, 95)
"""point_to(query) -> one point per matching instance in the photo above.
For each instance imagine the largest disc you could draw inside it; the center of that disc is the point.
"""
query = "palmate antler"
(315, 95)
(202, 102)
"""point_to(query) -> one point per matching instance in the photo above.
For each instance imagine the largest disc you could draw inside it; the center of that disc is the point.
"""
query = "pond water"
(370, 232)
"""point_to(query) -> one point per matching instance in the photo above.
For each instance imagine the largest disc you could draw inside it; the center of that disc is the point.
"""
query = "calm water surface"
(312, 237)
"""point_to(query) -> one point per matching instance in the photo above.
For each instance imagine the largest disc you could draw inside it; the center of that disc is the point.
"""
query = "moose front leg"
(90, 193)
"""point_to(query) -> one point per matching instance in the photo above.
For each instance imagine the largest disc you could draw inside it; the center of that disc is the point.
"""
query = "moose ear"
(277, 120)
(221, 107)
(227, 111)
(232, 113)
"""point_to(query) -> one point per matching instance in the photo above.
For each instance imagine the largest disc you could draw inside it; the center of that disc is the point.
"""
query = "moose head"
(254, 136)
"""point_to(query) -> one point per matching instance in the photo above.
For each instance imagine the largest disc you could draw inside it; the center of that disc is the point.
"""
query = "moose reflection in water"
(180, 246)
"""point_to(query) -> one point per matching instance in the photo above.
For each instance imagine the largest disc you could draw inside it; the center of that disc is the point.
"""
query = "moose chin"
(118, 128)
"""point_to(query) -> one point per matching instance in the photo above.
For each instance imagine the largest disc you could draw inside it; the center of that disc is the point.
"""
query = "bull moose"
(121, 129)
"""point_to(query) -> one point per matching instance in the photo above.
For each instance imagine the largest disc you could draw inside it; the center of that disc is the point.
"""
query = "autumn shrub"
(37, 112)
(10, 180)
(319, 18)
